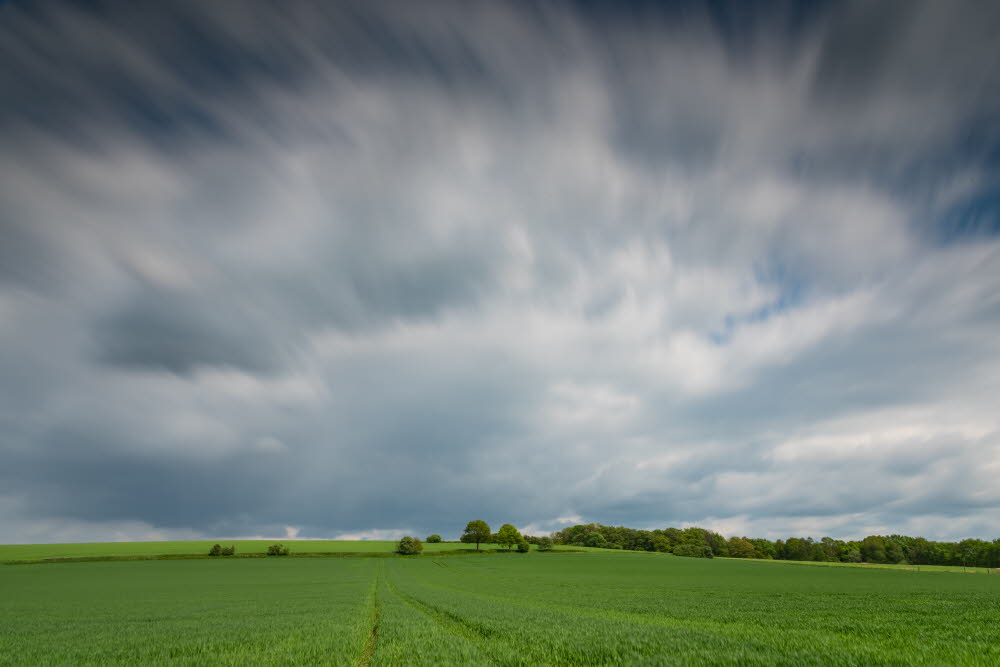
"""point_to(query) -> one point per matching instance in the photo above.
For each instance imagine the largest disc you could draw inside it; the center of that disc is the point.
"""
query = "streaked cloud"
(355, 270)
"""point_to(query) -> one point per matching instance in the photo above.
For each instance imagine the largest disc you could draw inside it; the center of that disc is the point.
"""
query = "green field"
(508, 609)
(17, 552)
(886, 566)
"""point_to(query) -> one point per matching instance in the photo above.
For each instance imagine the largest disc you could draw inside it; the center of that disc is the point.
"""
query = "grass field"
(9, 552)
(887, 566)
(569, 608)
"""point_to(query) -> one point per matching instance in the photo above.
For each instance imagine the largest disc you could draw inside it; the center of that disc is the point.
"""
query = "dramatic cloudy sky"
(336, 270)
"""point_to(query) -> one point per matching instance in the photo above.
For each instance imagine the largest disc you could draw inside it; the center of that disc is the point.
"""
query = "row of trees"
(696, 542)
(272, 550)
(887, 549)
(700, 542)
(478, 532)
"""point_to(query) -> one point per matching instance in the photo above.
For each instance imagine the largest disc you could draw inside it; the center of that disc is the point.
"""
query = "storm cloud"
(335, 269)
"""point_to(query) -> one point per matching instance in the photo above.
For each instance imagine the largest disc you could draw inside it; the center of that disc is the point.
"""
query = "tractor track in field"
(376, 617)
(453, 623)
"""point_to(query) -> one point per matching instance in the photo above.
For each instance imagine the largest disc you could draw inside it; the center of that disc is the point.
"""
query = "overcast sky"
(327, 270)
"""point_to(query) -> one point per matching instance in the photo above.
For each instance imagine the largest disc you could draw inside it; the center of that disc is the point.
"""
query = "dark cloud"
(161, 330)
(359, 269)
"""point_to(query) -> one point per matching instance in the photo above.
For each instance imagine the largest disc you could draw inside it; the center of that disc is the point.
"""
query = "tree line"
(699, 542)
(478, 532)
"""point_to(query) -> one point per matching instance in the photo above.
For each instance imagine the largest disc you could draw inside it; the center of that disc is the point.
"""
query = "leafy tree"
(508, 536)
(216, 550)
(764, 548)
(873, 549)
(852, 555)
(659, 543)
(673, 535)
(277, 550)
(523, 547)
(799, 548)
(409, 546)
(717, 543)
(741, 547)
(689, 550)
(894, 552)
(229, 551)
(545, 543)
(476, 532)
(832, 549)
(434, 539)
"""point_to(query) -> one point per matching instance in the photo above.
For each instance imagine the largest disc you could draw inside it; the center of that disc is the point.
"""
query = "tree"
(763, 547)
(741, 547)
(873, 549)
(692, 550)
(894, 552)
(216, 550)
(409, 546)
(476, 532)
(434, 539)
(595, 539)
(277, 550)
(508, 536)
(852, 555)
(545, 543)
(523, 547)
(659, 543)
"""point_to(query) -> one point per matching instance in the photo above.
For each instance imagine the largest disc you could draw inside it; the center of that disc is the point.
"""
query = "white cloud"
(617, 275)
(374, 534)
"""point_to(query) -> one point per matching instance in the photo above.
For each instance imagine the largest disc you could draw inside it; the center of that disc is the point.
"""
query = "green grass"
(884, 566)
(14, 552)
(571, 608)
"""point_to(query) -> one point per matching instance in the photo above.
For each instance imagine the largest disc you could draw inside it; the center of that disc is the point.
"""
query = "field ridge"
(447, 621)
(369, 650)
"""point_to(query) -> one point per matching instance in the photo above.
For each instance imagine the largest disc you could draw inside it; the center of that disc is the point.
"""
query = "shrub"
(545, 543)
(230, 550)
(277, 550)
(595, 539)
(523, 547)
(216, 550)
(434, 539)
(409, 546)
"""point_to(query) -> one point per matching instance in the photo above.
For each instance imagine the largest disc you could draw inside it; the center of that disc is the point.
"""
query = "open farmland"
(571, 608)
(16, 552)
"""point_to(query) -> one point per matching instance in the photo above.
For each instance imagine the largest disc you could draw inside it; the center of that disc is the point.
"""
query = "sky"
(337, 270)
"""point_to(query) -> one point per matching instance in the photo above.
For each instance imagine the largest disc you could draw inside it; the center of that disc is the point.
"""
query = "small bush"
(277, 550)
(434, 539)
(545, 543)
(228, 551)
(409, 546)
(523, 547)
(216, 550)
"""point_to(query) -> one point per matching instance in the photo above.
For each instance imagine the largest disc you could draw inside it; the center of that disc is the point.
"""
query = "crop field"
(507, 609)
(14, 552)
(885, 566)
